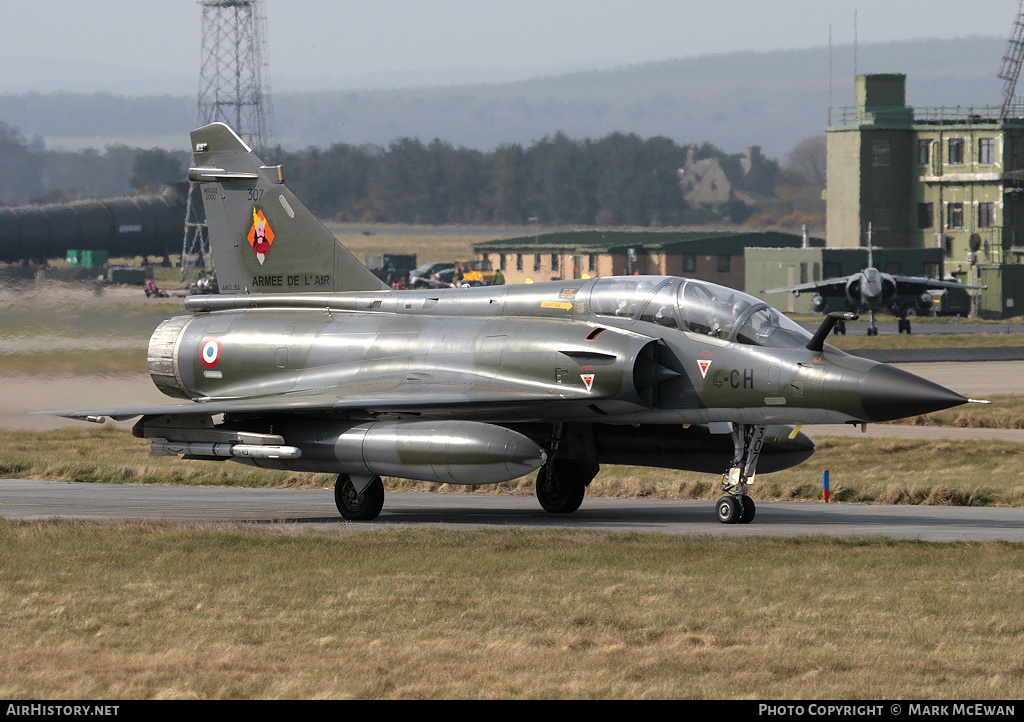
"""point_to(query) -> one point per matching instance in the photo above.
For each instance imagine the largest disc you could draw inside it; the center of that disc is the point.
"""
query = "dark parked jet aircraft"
(873, 291)
(304, 362)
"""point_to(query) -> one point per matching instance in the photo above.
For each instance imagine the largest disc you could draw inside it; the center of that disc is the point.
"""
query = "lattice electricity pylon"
(1012, 61)
(233, 88)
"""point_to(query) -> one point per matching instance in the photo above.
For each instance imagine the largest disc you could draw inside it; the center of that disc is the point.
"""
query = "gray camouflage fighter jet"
(304, 362)
(874, 291)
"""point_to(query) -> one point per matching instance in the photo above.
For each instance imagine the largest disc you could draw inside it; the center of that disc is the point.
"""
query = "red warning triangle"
(704, 364)
(588, 379)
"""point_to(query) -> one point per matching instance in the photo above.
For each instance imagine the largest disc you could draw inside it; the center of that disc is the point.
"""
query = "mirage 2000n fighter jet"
(304, 362)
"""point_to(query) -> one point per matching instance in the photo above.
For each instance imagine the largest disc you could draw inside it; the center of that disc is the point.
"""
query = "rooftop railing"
(937, 114)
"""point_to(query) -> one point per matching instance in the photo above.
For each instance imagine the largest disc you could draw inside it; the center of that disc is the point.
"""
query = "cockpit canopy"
(696, 307)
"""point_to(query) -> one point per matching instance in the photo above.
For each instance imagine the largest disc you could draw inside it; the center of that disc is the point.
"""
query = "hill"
(734, 100)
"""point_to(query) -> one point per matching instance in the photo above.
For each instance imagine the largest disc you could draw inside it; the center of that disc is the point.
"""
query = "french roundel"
(210, 352)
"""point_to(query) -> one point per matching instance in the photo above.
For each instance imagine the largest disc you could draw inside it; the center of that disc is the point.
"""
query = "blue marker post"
(824, 485)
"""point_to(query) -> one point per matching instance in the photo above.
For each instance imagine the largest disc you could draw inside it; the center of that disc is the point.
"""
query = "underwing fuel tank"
(447, 452)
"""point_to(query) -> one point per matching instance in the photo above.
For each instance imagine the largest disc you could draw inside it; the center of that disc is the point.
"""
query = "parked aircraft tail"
(263, 240)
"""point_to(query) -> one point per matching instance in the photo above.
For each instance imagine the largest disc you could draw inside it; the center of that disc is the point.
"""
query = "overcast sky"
(355, 43)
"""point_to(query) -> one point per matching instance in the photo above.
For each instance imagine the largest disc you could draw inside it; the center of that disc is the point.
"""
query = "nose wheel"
(735, 507)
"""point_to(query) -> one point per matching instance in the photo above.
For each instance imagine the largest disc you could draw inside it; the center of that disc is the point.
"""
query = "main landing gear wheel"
(735, 510)
(359, 506)
(560, 487)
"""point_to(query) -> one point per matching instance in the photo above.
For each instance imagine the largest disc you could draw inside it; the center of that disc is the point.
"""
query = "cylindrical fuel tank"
(124, 226)
(447, 452)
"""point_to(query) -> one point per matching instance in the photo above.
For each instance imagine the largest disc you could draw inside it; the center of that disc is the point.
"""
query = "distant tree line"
(619, 180)
(35, 174)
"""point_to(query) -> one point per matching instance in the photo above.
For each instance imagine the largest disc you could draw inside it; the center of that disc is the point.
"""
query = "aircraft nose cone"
(889, 393)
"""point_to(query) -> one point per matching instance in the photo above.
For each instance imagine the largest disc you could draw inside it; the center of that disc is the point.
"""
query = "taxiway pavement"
(315, 509)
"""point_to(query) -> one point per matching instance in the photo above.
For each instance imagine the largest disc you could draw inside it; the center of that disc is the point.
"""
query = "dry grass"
(160, 612)
(874, 469)
(1005, 412)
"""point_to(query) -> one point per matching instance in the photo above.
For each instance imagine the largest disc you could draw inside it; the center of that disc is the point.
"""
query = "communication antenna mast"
(1012, 61)
(234, 89)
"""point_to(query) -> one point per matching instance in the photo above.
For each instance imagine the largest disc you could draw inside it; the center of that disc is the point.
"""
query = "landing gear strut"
(736, 507)
(872, 328)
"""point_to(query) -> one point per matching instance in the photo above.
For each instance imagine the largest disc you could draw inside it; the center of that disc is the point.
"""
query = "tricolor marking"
(209, 353)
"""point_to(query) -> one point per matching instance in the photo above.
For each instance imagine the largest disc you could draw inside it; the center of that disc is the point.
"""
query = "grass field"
(161, 612)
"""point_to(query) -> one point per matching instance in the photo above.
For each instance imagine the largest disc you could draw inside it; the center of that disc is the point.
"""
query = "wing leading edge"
(414, 397)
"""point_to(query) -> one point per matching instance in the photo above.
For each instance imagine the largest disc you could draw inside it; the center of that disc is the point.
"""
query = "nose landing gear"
(736, 507)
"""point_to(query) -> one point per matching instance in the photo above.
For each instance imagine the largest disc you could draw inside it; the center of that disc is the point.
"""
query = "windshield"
(765, 326)
(726, 313)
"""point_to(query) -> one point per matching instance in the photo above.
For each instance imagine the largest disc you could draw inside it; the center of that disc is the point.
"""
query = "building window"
(592, 262)
(832, 269)
(925, 215)
(986, 150)
(924, 152)
(986, 215)
(554, 262)
(689, 263)
(881, 153)
(956, 151)
(723, 263)
(519, 261)
(501, 262)
(536, 262)
(955, 215)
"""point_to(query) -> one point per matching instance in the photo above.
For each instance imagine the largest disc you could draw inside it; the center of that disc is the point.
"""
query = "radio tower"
(1010, 70)
(233, 89)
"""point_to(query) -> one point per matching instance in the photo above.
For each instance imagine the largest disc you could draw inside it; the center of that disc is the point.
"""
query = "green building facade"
(949, 178)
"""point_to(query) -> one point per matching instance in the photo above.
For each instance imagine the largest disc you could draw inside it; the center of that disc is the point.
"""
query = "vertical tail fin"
(263, 240)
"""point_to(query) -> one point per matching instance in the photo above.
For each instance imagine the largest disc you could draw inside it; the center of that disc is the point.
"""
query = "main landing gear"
(562, 482)
(561, 485)
(359, 499)
(736, 507)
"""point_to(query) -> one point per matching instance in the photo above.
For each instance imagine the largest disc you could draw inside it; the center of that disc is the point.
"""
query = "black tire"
(728, 510)
(560, 490)
(749, 509)
(359, 507)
